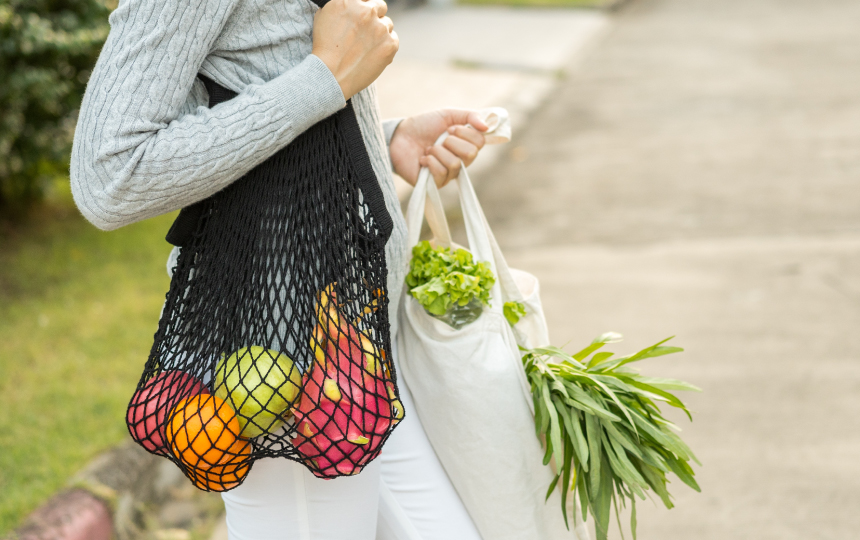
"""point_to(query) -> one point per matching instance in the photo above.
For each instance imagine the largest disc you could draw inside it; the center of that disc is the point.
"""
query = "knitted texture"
(274, 340)
(146, 143)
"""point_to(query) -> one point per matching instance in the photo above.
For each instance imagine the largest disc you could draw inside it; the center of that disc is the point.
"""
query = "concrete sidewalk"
(475, 57)
(699, 176)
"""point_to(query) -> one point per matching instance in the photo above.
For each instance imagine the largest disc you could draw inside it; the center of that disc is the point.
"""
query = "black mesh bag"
(274, 338)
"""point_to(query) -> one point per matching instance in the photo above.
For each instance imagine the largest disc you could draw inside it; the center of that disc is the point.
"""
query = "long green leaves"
(601, 424)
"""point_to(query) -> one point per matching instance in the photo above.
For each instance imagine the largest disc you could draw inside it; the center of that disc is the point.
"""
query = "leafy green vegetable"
(514, 311)
(439, 278)
(600, 422)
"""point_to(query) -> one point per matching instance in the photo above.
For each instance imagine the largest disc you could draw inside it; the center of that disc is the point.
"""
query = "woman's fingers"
(468, 133)
(459, 148)
(476, 120)
(463, 117)
(381, 7)
(462, 149)
(439, 171)
(445, 165)
(447, 158)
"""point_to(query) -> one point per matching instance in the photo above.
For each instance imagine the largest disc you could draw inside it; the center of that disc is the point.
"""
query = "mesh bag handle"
(274, 340)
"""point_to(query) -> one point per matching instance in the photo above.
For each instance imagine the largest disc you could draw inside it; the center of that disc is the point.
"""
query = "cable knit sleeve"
(389, 127)
(140, 151)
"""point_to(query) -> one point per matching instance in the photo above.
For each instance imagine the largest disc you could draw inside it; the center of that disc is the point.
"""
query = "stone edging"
(107, 500)
(74, 514)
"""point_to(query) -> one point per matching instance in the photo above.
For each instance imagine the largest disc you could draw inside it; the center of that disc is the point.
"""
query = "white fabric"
(281, 500)
(419, 488)
(469, 386)
(403, 495)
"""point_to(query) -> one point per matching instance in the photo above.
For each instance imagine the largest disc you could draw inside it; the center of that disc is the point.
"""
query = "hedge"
(47, 49)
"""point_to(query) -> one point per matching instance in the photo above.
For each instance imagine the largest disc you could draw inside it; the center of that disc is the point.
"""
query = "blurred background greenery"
(76, 305)
(47, 49)
(78, 308)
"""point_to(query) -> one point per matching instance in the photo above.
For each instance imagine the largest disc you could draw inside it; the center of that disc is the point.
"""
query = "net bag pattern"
(274, 340)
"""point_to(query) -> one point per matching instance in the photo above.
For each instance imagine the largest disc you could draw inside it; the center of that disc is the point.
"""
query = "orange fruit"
(220, 478)
(203, 433)
(227, 476)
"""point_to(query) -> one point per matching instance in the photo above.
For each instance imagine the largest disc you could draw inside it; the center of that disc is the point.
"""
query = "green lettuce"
(440, 278)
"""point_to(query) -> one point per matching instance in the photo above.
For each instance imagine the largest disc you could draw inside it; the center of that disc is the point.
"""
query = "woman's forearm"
(138, 154)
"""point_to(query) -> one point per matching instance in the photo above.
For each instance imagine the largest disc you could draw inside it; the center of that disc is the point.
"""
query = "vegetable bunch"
(601, 424)
(440, 278)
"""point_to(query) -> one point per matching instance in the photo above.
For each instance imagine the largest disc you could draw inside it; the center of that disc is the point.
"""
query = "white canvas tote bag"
(469, 386)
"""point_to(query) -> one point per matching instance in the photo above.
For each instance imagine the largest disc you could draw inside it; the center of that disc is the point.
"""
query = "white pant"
(404, 494)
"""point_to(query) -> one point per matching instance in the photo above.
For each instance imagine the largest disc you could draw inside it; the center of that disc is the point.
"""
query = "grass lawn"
(78, 309)
(542, 3)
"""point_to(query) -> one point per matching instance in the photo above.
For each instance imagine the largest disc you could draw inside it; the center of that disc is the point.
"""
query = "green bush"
(47, 49)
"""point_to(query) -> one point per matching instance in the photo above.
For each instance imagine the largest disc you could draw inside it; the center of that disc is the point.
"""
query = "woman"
(146, 144)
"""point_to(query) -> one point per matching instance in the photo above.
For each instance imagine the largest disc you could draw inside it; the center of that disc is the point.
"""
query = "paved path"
(474, 57)
(699, 175)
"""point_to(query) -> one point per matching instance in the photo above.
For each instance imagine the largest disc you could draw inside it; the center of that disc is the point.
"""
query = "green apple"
(260, 384)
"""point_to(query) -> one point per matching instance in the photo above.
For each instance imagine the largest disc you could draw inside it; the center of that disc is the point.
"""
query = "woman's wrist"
(389, 127)
(337, 71)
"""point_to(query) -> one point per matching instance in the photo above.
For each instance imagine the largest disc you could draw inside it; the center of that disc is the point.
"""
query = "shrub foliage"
(47, 49)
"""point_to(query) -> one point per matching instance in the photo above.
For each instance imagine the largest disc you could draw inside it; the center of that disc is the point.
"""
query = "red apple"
(150, 406)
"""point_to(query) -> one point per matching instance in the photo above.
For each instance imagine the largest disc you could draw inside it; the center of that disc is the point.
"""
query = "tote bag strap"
(426, 202)
(483, 242)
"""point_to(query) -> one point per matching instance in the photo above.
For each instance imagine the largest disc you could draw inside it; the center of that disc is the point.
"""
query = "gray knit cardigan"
(145, 142)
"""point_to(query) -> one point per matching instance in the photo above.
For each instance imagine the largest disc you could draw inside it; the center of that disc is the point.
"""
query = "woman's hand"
(355, 40)
(412, 145)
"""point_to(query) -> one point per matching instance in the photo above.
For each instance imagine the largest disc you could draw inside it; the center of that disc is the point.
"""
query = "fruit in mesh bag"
(219, 480)
(347, 404)
(147, 411)
(203, 434)
(228, 476)
(260, 384)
